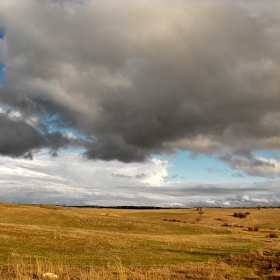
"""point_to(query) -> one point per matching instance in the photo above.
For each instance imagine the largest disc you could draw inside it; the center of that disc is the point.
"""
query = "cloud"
(253, 165)
(120, 176)
(213, 169)
(140, 175)
(238, 175)
(73, 180)
(139, 78)
(17, 137)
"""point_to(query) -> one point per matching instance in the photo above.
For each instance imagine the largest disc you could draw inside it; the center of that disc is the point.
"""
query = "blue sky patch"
(268, 154)
(56, 123)
(2, 33)
(2, 78)
(203, 169)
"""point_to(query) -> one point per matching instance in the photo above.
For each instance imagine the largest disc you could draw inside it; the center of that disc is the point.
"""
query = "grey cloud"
(238, 175)
(252, 165)
(213, 169)
(61, 2)
(254, 200)
(140, 176)
(28, 155)
(120, 176)
(246, 161)
(171, 177)
(110, 148)
(18, 138)
(209, 169)
(142, 78)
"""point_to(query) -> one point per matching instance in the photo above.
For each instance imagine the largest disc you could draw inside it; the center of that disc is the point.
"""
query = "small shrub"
(240, 215)
(173, 220)
(273, 235)
(255, 228)
(225, 225)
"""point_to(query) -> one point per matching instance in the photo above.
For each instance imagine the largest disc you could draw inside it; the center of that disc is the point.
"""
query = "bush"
(255, 228)
(273, 235)
(172, 220)
(240, 215)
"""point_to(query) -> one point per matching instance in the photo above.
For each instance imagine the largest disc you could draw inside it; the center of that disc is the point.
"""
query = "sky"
(162, 103)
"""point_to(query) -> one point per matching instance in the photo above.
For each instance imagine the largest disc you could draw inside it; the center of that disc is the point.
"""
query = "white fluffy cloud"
(71, 179)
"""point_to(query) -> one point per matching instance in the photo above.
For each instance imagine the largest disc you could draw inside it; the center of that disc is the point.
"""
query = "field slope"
(161, 241)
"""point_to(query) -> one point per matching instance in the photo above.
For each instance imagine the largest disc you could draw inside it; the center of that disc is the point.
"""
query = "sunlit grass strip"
(116, 270)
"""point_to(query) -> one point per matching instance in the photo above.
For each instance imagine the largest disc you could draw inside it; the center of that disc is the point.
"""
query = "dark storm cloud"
(19, 138)
(138, 78)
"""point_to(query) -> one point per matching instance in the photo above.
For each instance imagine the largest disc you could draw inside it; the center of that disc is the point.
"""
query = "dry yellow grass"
(102, 244)
(208, 270)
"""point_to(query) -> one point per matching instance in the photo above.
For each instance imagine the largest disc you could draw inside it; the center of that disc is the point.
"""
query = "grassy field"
(91, 243)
